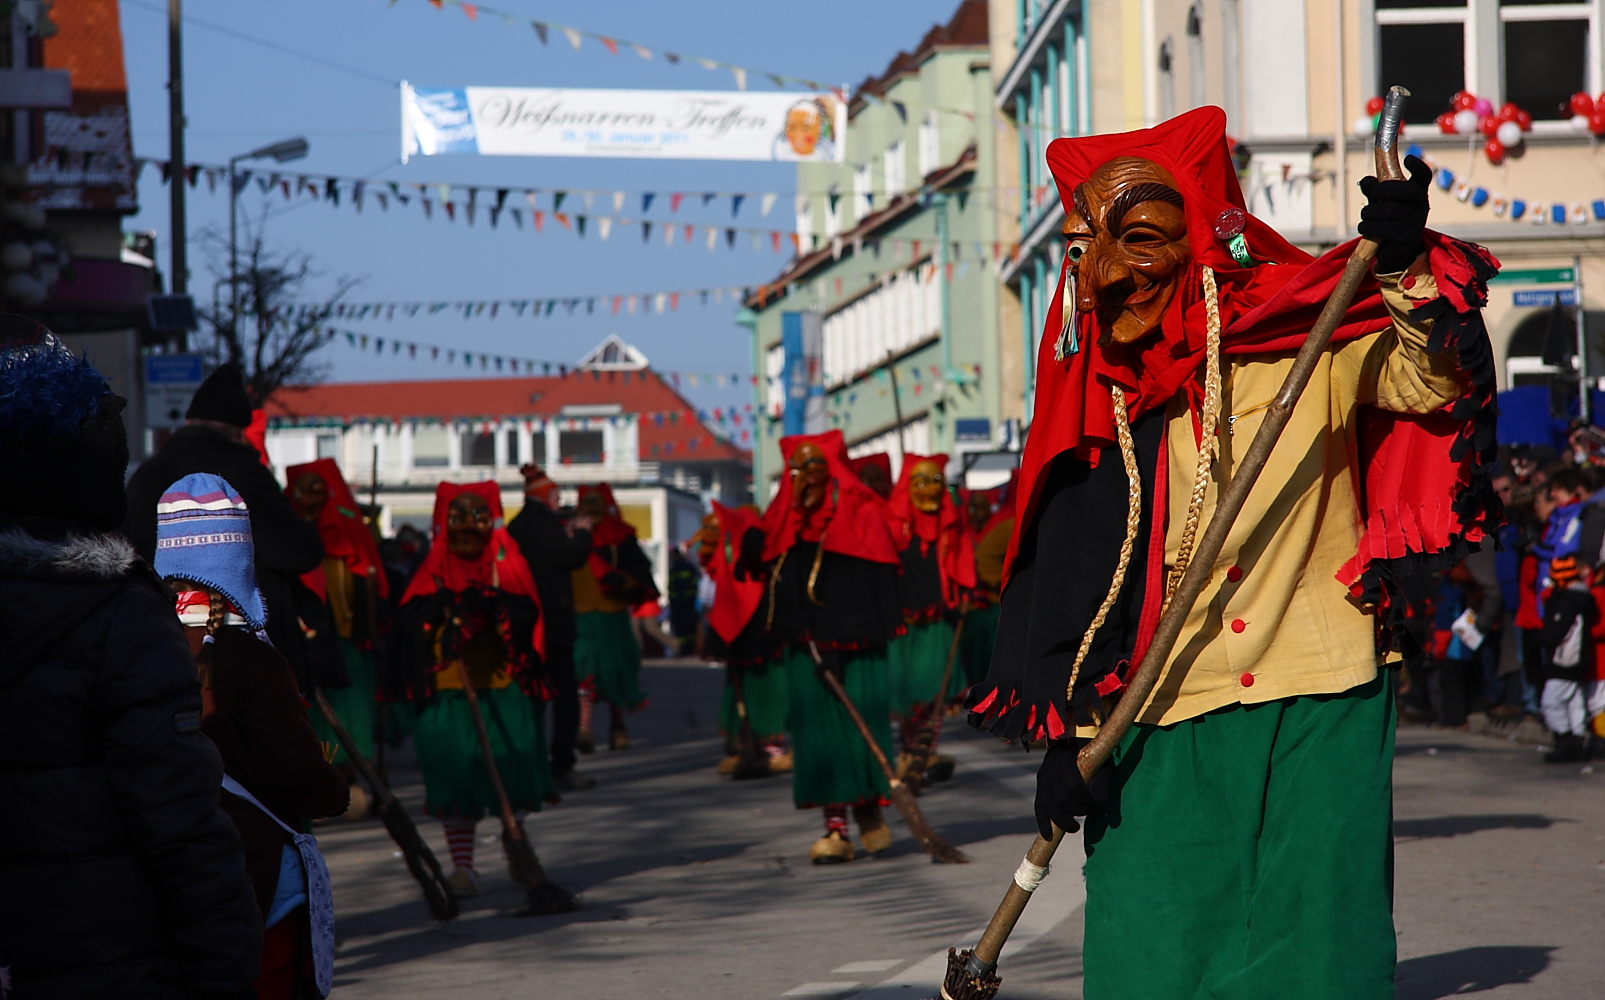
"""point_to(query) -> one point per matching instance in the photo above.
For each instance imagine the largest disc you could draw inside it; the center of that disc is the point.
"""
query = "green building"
(896, 272)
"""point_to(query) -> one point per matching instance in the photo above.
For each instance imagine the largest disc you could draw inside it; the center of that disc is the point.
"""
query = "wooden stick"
(983, 961)
(521, 861)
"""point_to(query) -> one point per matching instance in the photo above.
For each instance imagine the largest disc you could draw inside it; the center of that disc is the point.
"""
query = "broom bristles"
(547, 899)
(941, 852)
(960, 984)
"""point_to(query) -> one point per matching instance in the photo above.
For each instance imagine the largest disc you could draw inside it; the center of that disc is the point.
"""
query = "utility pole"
(177, 176)
(1584, 389)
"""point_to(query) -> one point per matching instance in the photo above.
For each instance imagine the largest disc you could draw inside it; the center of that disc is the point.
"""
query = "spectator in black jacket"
(213, 441)
(119, 874)
(554, 550)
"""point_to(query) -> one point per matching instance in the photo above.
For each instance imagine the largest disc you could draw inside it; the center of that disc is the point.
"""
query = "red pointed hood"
(850, 521)
(955, 550)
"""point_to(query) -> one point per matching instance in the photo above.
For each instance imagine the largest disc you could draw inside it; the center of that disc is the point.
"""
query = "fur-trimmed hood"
(65, 556)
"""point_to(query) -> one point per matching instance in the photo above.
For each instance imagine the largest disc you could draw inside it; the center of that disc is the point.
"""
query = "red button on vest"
(1247, 680)
(1234, 574)
(1238, 624)
(1408, 281)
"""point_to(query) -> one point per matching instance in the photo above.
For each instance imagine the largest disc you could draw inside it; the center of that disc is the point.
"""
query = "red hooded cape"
(500, 567)
(1267, 308)
(340, 525)
(955, 549)
(734, 599)
(850, 520)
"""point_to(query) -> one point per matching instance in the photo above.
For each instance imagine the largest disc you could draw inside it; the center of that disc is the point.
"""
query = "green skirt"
(354, 705)
(767, 692)
(1254, 847)
(456, 783)
(607, 654)
(916, 661)
(975, 646)
(832, 765)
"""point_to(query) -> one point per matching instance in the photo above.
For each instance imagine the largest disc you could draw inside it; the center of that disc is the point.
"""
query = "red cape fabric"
(851, 521)
(340, 525)
(1267, 308)
(611, 530)
(500, 567)
(955, 550)
(879, 458)
(734, 600)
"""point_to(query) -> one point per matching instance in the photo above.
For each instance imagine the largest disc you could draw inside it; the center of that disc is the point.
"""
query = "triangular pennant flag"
(646, 230)
(604, 225)
(646, 201)
(612, 46)
(674, 201)
(471, 10)
(573, 38)
(618, 201)
(672, 58)
(741, 77)
(642, 51)
(540, 30)
(730, 238)
(735, 204)
(766, 203)
(557, 200)
(713, 237)
(518, 217)
(579, 224)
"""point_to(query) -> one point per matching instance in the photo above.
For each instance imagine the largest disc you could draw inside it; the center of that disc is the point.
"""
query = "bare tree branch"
(275, 336)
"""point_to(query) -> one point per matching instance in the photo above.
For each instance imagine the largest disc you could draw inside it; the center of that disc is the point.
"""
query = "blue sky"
(242, 95)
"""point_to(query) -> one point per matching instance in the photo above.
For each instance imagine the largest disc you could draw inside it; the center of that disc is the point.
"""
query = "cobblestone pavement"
(697, 887)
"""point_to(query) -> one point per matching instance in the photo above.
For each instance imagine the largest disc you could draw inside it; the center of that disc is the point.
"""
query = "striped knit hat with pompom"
(203, 534)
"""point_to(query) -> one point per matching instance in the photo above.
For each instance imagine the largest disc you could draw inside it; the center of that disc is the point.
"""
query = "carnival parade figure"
(938, 563)
(834, 605)
(352, 583)
(472, 602)
(989, 521)
(755, 697)
(607, 655)
(1251, 803)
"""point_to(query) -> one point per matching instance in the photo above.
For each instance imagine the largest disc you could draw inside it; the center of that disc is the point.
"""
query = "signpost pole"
(1584, 400)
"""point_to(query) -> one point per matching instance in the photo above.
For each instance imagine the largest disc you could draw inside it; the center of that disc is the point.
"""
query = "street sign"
(170, 383)
(1544, 296)
(1536, 276)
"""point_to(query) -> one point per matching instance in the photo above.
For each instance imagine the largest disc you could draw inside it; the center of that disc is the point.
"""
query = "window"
(328, 446)
(1543, 55)
(478, 448)
(1195, 56)
(805, 222)
(930, 145)
(896, 167)
(431, 448)
(863, 193)
(537, 446)
(584, 447)
(833, 211)
(1167, 81)
(512, 447)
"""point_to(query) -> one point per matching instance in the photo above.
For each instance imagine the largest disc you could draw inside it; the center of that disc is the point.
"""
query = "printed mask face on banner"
(468, 525)
(925, 486)
(811, 476)
(1127, 246)
(309, 496)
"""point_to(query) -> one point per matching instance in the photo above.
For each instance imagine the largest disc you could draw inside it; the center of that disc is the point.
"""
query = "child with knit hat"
(1571, 694)
(252, 711)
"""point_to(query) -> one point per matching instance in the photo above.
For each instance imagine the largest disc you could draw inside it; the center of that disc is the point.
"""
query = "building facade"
(896, 264)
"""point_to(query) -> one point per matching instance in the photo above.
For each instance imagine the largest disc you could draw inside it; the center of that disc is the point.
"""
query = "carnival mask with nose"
(925, 486)
(876, 479)
(708, 537)
(978, 511)
(810, 476)
(1127, 246)
(309, 496)
(468, 526)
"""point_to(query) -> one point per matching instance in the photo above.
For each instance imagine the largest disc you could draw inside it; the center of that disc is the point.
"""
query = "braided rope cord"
(1128, 457)
(1209, 445)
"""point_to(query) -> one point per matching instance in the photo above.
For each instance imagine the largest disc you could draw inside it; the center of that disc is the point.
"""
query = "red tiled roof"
(667, 429)
(968, 27)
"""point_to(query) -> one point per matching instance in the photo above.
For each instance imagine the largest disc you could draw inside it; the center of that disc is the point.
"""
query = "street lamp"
(280, 152)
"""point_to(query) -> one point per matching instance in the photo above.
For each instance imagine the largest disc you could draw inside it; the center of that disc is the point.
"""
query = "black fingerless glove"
(1395, 216)
(1062, 794)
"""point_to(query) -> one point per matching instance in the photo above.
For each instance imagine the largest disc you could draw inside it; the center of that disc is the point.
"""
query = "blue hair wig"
(43, 385)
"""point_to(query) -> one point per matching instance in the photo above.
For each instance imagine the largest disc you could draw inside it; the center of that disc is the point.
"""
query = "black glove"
(1062, 794)
(749, 561)
(1395, 215)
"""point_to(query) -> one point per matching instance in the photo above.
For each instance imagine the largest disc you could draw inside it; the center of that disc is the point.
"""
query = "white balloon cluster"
(31, 258)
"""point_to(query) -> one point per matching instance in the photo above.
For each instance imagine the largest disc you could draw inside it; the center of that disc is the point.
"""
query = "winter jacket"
(1569, 617)
(254, 714)
(553, 555)
(286, 546)
(119, 875)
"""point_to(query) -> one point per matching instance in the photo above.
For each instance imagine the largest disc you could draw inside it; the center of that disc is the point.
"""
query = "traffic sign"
(170, 383)
(1544, 296)
(1536, 276)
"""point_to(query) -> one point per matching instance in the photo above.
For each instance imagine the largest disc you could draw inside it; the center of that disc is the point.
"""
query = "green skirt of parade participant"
(449, 755)
(766, 688)
(975, 645)
(607, 654)
(915, 663)
(353, 704)
(832, 764)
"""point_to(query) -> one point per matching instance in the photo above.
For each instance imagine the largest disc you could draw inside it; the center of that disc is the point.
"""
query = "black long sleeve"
(552, 554)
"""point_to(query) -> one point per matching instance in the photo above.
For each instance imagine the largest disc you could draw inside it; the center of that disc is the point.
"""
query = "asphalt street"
(694, 886)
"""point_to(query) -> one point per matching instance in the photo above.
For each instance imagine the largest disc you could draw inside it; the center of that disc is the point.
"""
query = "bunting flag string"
(739, 74)
(826, 293)
(1538, 211)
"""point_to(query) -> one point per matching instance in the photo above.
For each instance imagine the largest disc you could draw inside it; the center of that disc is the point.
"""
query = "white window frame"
(930, 145)
(1484, 70)
(896, 169)
(863, 190)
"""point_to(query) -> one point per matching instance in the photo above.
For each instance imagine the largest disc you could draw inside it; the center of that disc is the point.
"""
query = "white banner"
(646, 124)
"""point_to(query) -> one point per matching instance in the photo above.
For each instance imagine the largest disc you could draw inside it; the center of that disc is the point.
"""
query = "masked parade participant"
(737, 637)
(988, 528)
(607, 655)
(938, 569)
(1251, 804)
(472, 601)
(352, 584)
(834, 604)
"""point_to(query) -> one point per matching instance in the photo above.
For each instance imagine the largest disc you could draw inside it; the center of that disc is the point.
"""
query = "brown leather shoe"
(831, 849)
